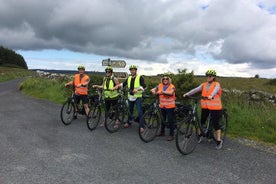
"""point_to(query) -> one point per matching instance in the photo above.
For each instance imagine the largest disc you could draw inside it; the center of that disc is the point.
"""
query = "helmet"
(133, 67)
(81, 67)
(109, 68)
(211, 72)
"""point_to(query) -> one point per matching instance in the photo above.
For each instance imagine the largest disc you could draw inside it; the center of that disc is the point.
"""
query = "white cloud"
(238, 33)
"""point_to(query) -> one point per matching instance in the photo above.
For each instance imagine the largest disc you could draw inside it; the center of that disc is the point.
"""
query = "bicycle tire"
(152, 124)
(67, 112)
(186, 137)
(110, 119)
(93, 118)
(123, 112)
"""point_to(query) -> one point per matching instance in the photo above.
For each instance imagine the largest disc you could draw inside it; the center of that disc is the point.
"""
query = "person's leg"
(138, 104)
(170, 113)
(164, 118)
(216, 116)
(203, 118)
(130, 114)
(84, 99)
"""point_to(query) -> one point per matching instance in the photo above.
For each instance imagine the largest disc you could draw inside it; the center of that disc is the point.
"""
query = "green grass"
(9, 73)
(45, 89)
(255, 121)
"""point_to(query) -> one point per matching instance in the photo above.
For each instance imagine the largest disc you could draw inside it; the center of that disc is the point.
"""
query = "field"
(252, 120)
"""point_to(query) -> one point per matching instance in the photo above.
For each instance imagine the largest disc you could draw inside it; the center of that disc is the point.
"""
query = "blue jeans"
(168, 114)
(138, 102)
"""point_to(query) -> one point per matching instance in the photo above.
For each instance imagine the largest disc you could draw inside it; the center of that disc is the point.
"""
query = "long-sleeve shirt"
(200, 87)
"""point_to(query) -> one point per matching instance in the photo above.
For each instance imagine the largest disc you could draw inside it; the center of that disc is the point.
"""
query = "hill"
(10, 58)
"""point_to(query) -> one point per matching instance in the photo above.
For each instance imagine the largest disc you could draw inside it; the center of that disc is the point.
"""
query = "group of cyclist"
(210, 90)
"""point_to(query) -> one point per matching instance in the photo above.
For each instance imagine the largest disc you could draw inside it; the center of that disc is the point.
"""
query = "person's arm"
(123, 84)
(170, 93)
(99, 86)
(215, 91)
(69, 84)
(142, 87)
(117, 84)
(194, 91)
(154, 90)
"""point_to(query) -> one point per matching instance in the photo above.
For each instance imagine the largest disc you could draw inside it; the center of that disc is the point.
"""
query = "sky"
(237, 38)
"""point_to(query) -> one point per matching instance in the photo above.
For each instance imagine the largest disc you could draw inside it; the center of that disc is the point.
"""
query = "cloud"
(236, 32)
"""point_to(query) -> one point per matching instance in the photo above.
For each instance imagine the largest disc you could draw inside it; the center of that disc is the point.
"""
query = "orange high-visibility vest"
(213, 104)
(166, 101)
(83, 90)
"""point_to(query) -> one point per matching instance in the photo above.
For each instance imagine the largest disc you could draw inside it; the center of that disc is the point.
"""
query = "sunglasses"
(210, 76)
(108, 72)
(165, 78)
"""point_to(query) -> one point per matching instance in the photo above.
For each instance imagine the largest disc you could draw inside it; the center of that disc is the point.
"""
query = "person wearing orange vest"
(166, 92)
(80, 83)
(211, 90)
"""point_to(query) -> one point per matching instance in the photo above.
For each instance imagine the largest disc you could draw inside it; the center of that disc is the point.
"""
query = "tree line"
(11, 59)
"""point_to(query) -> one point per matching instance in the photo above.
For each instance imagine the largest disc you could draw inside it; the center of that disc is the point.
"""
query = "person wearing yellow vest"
(110, 90)
(136, 85)
(80, 83)
(212, 91)
(166, 92)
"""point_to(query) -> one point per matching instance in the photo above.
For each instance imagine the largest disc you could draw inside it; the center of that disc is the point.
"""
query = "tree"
(184, 81)
(10, 58)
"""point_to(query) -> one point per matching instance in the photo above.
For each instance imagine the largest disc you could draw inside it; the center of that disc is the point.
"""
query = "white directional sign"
(121, 75)
(114, 63)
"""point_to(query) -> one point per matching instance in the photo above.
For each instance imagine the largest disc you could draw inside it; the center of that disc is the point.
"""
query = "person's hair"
(170, 80)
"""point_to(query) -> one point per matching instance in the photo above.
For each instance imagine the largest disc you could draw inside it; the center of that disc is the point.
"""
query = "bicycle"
(187, 133)
(117, 114)
(153, 119)
(95, 111)
(71, 108)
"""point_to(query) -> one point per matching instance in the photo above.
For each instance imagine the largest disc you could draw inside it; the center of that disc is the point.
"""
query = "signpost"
(120, 75)
(114, 63)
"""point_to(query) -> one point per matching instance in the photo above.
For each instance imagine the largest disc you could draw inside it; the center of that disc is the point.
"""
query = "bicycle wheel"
(112, 123)
(67, 112)
(152, 124)
(186, 138)
(223, 125)
(93, 117)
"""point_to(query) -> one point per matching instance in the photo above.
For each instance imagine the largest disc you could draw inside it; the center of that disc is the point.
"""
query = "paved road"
(35, 147)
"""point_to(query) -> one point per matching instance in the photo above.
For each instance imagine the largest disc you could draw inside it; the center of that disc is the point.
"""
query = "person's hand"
(153, 91)
(134, 91)
(185, 95)
(210, 97)
(78, 86)
(159, 92)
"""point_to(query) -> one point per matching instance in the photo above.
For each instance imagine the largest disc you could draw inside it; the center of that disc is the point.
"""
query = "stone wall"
(254, 95)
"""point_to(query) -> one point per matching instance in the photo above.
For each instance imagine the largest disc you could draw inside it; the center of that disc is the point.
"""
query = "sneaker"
(199, 139)
(170, 138)
(219, 145)
(142, 130)
(161, 134)
(75, 117)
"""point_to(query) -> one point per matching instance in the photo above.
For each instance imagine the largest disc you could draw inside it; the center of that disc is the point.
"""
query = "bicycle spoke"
(152, 124)
(186, 139)
(93, 118)
(67, 113)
